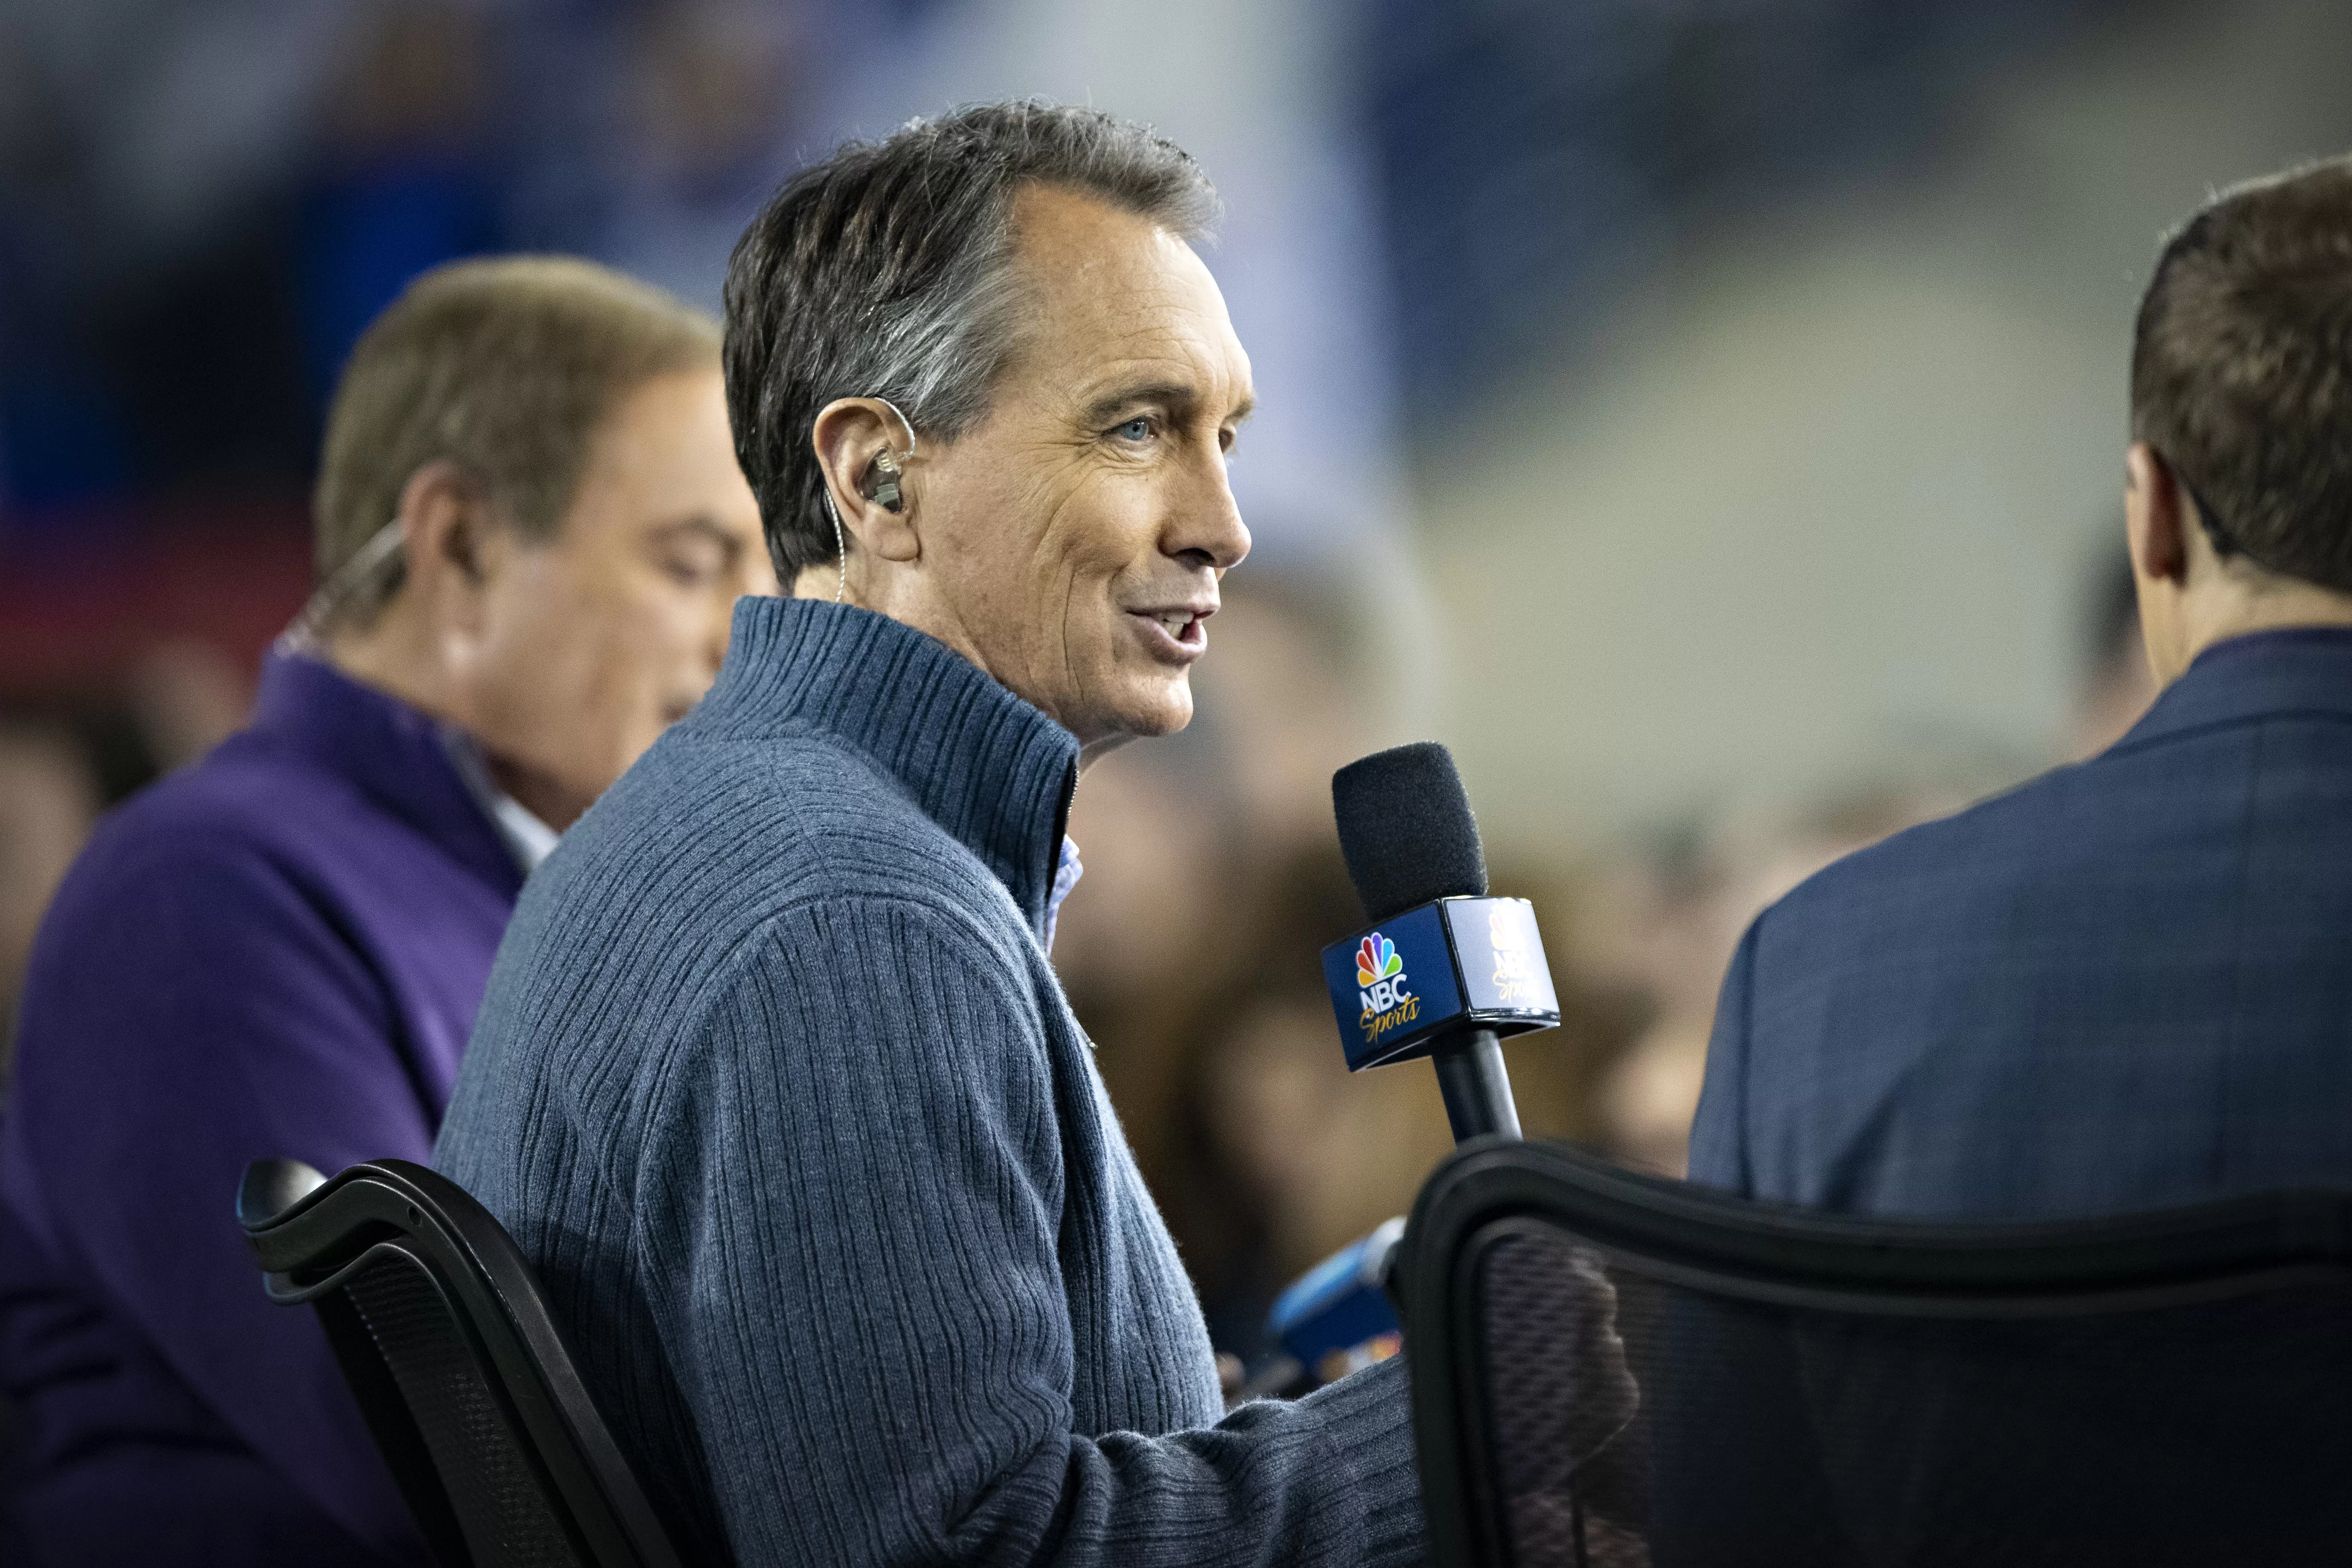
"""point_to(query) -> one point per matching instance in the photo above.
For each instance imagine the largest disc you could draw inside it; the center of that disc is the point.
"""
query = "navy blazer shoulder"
(2124, 985)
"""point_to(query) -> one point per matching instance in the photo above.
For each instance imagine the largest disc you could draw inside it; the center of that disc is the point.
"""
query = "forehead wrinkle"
(1111, 372)
(1095, 315)
(1131, 303)
(1193, 379)
(1054, 346)
(1147, 343)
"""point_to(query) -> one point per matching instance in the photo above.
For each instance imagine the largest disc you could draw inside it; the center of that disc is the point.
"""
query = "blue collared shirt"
(1066, 872)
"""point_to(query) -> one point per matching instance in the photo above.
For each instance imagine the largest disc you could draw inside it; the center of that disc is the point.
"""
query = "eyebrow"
(1175, 395)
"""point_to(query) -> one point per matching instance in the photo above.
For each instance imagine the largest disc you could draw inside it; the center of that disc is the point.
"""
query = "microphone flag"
(1454, 963)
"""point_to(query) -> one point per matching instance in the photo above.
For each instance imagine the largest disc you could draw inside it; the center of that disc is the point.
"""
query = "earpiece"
(880, 485)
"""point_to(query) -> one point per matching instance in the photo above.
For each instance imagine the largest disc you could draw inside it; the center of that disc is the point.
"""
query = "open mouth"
(1180, 631)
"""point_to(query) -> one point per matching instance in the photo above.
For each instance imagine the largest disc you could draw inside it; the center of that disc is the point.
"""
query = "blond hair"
(506, 367)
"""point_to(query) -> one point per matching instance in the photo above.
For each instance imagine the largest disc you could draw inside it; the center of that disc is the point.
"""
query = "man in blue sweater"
(773, 1082)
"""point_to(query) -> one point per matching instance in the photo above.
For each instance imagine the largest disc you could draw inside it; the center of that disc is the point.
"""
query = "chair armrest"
(272, 1187)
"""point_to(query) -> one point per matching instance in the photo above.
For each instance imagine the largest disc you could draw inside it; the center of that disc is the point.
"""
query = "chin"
(1161, 722)
(1156, 713)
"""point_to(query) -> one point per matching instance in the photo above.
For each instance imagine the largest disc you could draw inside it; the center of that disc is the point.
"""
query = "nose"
(1206, 528)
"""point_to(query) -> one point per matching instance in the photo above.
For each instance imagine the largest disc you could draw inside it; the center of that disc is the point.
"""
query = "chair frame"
(1713, 1241)
(312, 1235)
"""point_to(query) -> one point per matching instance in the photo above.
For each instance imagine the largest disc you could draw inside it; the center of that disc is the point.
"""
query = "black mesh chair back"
(441, 1332)
(1613, 1369)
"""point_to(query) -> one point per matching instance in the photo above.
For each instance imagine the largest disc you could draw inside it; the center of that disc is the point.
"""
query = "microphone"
(1443, 971)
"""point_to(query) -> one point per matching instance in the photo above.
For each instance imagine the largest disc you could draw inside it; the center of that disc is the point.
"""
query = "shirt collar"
(2296, 669)
(992, 771)
(1066, 872)
(526, 838)
(388, 750)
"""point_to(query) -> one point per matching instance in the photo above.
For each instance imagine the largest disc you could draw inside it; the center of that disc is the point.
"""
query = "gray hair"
(886, 271)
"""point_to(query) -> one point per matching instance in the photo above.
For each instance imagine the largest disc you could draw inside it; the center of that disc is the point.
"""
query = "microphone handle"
(1477, 1089)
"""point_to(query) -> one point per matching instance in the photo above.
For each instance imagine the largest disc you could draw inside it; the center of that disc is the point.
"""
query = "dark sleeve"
(1718, 1145)
(866, 1302)
(188, 1011)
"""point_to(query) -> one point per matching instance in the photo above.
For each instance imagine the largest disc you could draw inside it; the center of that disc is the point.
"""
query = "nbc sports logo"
(1380, 973)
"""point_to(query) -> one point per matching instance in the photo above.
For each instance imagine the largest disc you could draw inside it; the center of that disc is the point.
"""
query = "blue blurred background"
(1705, 415)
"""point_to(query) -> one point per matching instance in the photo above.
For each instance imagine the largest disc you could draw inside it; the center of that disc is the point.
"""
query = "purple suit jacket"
(279, 951)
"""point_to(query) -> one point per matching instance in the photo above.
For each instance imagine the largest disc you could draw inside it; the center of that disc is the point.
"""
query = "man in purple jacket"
(531, 530)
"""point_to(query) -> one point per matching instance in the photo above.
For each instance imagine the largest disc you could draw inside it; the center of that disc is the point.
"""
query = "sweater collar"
(396, 756)
(992, 771)
(2297, 670)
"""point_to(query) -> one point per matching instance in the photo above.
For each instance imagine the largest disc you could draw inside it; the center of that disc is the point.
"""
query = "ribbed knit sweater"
(774, 1085)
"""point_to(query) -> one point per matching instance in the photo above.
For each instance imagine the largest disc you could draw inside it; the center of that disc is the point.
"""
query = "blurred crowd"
(201, 207)
(1211, 881)
(293, 162)
(223, 196)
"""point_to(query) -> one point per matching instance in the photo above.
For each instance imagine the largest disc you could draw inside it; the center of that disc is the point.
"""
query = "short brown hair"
(2242, 370)
(504, 366)
(886, 271)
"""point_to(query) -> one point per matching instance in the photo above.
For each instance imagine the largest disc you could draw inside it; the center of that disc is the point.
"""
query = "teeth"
(1177, 620)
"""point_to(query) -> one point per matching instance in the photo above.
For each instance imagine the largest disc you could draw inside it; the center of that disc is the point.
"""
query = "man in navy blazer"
(2127, 983)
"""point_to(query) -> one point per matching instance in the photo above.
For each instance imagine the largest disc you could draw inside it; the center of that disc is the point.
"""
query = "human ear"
(2155, 519)
(858, 447)
(451, 545)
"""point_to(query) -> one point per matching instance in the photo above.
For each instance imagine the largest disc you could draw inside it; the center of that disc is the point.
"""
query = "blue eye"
(1137, 429)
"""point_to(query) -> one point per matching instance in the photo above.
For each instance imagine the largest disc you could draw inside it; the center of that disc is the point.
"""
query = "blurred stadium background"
(1705, 415)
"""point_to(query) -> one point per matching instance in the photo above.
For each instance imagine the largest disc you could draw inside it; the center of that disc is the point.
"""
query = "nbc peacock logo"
(1380, 972)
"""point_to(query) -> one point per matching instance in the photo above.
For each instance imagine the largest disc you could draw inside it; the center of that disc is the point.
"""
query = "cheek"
(1100, 536)
(625, 619)
(589, 669)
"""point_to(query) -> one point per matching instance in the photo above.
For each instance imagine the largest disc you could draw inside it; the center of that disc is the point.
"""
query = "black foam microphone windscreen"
(1406, 829)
